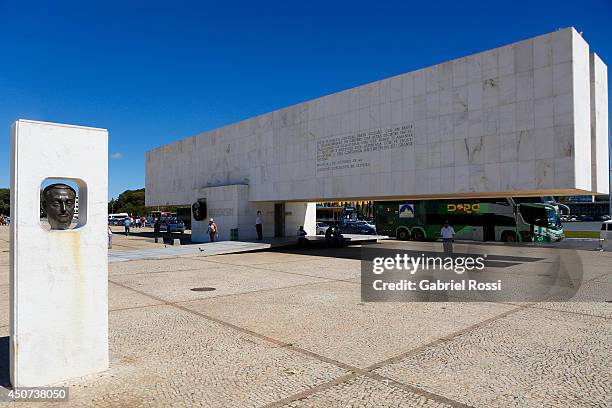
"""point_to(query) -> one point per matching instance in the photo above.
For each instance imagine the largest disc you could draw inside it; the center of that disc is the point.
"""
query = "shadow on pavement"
(168, 237)
(5, 376)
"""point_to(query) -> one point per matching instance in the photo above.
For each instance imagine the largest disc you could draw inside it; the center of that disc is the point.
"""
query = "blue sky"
(154, 72)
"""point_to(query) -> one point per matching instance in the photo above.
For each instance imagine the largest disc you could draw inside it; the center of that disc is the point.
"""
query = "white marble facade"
(511, 120)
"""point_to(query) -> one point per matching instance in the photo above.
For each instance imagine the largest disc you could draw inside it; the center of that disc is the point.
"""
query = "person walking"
(212, 230)
(448, 234)
(156, 227)
(258, 226)
(126, 223)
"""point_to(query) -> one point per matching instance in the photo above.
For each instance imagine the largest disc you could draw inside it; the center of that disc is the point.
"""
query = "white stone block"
(599, 125)
(59, 278)
(523, 56)
(581, 80)
(543, 82)
(493, 96)
(542, 51)
(543, 113)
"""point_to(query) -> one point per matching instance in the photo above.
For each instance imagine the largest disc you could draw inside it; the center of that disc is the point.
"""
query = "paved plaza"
(287, 328)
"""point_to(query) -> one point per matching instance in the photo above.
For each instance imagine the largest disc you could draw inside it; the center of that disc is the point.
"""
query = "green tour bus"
(481, 219)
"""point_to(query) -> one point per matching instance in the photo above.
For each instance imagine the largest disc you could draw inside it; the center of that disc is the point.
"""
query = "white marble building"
(529, 118)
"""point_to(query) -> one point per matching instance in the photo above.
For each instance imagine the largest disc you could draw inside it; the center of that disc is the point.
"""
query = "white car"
(321, 228)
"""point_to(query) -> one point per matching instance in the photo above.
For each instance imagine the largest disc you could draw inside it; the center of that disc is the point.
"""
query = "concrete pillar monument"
(58, 272)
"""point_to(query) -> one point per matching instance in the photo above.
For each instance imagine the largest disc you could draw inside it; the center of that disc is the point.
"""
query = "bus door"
(478, 233)
(488, 227)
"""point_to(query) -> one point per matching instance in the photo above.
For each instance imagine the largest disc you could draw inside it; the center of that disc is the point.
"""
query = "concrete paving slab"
(324, 267)
(329, 319)
(258, 258)
(531, 358)
(164, 356)
(364, 392)
(122, 298)
(150, 266)
(176, 286)
(593, 298)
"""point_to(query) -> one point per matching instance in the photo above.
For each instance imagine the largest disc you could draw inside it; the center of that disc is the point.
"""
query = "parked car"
(116, 220)
(368, 223)
(585, 218)
(321, 228)
(606, 217)
(172, 225)
(356, 228)
(605, 235)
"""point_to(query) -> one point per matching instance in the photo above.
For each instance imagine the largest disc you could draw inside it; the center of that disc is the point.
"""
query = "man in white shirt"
(448, 233)
(258, 226)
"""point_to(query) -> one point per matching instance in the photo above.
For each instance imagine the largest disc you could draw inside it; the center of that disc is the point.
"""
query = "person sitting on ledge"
(301, 234)
(329, 233)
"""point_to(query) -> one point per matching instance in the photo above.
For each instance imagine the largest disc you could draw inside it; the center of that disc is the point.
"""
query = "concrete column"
(300, 213)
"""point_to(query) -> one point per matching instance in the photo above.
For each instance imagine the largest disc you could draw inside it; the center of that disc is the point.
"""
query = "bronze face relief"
(198, 209)
(60, 200)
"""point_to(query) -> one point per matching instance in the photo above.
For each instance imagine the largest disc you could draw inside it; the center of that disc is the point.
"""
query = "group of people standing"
(332, 234)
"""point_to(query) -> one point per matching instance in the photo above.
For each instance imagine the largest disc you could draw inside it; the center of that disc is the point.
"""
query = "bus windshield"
(541, 216)
(554, 221)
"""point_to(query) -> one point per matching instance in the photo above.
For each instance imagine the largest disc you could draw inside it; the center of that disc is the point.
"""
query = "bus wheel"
(509, 237)
(402, 234)
(418, 235)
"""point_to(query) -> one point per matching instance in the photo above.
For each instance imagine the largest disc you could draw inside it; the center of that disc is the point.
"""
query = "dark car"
(172, 225)
(356, 228)
(585, 218)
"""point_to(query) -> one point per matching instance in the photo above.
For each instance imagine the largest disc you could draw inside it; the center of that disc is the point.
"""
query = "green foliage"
(5, 201)
(130, 201)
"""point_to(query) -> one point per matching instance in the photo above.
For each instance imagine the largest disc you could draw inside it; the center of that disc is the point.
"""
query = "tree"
(5, 201)
(130, 201)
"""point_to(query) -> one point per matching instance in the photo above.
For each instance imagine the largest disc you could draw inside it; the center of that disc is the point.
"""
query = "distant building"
(588, 205)
(525, 119)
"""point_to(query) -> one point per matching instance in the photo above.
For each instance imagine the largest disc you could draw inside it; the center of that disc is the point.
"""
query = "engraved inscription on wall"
(350, 150)
(220, 212)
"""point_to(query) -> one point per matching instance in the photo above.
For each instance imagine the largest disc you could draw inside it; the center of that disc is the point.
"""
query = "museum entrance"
(279, 219)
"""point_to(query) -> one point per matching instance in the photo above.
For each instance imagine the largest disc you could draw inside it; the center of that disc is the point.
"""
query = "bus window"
(504, 221)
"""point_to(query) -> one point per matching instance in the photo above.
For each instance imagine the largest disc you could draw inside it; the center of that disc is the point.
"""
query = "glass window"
(503, 220)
